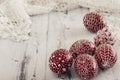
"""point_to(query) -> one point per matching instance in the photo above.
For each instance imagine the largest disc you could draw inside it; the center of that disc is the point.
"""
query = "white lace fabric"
(43, 6)
(14, 21)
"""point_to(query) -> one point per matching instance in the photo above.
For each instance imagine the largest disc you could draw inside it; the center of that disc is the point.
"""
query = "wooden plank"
(37, 48)
(56, 40)
(10, 59)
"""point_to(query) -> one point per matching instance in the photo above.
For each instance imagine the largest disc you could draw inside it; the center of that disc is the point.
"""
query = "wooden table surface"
(28, 60)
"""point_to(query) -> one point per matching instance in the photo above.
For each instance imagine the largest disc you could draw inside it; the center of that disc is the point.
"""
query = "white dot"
(54, 64)
(63, 61)
(50, 61)
(64, 69)
(82, 62)
(53, 56)
(59, 65)
(59, 58)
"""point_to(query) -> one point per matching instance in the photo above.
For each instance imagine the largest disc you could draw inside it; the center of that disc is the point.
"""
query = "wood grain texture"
(28, 60)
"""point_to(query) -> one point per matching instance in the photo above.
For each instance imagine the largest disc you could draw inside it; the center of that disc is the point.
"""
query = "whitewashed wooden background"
(28, 60)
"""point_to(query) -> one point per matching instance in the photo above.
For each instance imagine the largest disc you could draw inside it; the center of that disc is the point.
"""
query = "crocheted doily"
(14, 21)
